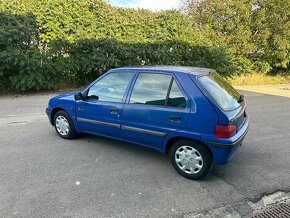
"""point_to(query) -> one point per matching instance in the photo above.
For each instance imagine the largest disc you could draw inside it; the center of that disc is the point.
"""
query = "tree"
(271, 34)
(256, 31)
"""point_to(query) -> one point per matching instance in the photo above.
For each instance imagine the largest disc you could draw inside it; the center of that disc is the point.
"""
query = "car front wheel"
(191, 159)
(64, 125)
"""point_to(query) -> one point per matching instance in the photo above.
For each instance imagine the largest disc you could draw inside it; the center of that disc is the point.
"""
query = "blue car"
(192, 114)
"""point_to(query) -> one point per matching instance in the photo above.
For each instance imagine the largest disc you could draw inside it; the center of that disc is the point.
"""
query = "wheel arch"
(54, 111)
(171, 141)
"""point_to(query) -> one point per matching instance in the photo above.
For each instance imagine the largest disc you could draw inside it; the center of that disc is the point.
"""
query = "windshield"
(222, 92)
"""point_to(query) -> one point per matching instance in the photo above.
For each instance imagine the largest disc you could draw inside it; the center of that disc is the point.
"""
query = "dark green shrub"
(24, 65)
(49, 44)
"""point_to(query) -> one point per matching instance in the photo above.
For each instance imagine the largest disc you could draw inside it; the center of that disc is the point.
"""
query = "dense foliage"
(47, 44)
(257, 32)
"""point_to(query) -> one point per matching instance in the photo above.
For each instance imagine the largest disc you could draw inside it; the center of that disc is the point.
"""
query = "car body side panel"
(203, 117)
(149, 124)
(95, 116)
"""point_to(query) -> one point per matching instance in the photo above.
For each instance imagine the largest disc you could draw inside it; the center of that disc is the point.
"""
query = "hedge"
(50, 44)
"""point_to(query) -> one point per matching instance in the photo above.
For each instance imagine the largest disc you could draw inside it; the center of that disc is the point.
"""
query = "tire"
(64, 125)
(191, 159)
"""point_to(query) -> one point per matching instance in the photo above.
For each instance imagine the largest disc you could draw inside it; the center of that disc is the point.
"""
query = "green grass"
(258, 79)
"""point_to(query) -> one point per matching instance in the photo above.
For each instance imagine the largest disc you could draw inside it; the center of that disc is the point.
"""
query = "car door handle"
(114, 110)
(174, 118)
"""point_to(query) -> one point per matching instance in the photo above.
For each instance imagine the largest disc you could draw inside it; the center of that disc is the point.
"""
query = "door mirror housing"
(93, 97)
(78, 96)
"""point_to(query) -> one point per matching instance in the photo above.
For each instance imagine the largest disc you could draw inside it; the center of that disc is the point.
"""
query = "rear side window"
(176, 98)
(222, 92)
(157, 89)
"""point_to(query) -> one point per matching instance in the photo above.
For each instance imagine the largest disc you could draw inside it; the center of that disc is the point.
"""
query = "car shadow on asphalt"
(133, 152)
(126, 148)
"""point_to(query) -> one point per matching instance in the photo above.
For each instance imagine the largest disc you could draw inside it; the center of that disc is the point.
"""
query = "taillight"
(222, 131)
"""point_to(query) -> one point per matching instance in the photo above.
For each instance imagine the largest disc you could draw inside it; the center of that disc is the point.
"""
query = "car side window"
(176, 98)
(110, 88)
(150, 89)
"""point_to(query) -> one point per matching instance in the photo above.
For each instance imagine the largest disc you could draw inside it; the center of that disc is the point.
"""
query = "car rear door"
(99, 111)
(155, 107)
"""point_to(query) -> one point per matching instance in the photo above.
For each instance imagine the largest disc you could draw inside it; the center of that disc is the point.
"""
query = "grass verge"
(258, 79)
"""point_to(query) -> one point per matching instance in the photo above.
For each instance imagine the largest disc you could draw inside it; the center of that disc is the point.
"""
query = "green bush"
(91, 58)
(50, 44)
(23, 65)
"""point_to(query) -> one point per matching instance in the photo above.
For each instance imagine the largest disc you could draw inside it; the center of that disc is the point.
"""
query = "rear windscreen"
(222, 92)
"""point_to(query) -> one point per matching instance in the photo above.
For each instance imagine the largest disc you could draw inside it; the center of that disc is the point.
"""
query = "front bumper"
(48, 113)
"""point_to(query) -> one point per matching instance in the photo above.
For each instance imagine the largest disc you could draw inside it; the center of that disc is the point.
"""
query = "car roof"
(180, 69)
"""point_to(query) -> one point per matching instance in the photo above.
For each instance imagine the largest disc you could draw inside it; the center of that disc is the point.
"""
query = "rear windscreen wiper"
(241, 98)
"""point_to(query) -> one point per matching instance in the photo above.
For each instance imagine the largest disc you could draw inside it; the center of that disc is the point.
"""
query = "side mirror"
(94, 97)
(78, 96)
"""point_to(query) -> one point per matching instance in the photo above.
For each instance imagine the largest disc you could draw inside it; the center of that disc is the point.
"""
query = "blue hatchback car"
(192, 114)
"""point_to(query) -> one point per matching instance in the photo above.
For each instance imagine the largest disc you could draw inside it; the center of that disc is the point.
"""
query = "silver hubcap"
(62, 125)
(188, 159)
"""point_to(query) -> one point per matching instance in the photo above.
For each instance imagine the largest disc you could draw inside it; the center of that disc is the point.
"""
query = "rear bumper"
(224, 149)
(230, 144)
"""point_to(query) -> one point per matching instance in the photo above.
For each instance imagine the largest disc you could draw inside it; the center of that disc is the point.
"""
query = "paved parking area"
(42, 175)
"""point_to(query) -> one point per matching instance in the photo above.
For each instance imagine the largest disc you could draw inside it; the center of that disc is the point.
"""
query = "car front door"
(99, 111)
(156, 107)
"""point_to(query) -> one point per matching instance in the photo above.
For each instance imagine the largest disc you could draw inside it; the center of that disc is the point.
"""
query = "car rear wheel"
(191, 159)
(64, 125)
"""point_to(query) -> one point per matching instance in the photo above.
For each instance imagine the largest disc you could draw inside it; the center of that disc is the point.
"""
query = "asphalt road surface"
(42, 175)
